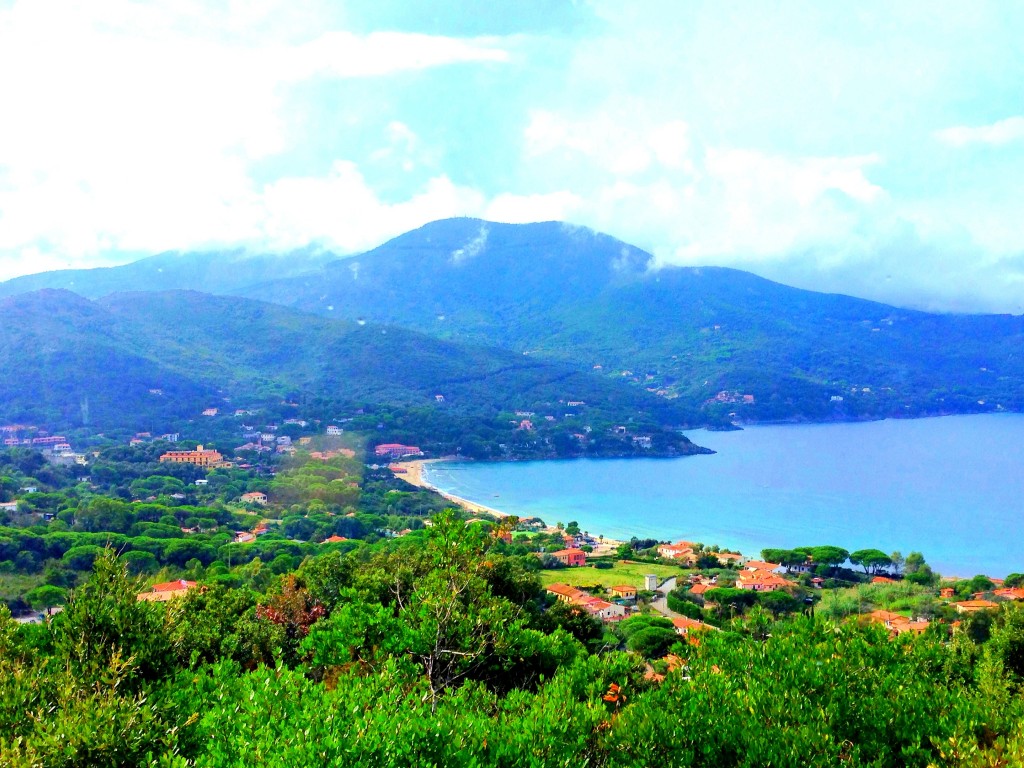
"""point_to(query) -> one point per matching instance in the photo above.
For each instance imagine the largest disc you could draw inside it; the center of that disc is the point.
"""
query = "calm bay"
(950, 487)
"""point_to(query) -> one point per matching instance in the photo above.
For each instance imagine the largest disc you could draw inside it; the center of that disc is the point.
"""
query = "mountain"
(65, 363)
(691, 333)
(718, 340)
(144, 359)
(211, 272)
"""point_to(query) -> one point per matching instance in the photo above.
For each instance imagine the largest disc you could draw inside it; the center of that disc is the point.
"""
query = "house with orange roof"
(201, 457)
(254, 497)
(725, 558)
(973, 606)
(625, 591)
(1010, 593)
(947, 592)
(602, 609)
(679, 550)
(334, 539)
(897, 623)
(684, 625)
(760, 581)
(571, 557)
(565, 593)
(700, 589)
(760, 565)
(882, 580)
(168, 590)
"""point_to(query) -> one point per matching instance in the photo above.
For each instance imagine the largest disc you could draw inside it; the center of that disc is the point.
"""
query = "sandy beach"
(412, 473)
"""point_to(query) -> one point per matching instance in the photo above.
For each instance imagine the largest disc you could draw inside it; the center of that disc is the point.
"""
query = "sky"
(874, 149)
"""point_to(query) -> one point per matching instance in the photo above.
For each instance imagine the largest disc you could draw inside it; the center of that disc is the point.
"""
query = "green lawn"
(621, 573)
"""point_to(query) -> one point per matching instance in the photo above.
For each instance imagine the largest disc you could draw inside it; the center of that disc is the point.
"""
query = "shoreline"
(413, 474)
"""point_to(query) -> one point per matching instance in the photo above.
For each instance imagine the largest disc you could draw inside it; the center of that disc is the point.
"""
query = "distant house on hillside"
(168, 590)
(200, 457)
(761, 581)
(571, 557)
(397, 450)
(973, 606)
(254, 497)
(624, 591)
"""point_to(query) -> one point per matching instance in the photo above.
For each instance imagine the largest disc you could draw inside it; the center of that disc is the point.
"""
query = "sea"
(950, 487)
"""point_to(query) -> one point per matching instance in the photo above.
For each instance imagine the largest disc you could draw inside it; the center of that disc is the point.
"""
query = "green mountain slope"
(200, 350)
(685, 332)
(65, 363)
(566, 293)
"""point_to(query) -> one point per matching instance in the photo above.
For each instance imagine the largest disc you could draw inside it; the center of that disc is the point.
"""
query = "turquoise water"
(950, 487)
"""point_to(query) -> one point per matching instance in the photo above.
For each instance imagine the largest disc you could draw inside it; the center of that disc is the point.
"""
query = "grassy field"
(620, 573)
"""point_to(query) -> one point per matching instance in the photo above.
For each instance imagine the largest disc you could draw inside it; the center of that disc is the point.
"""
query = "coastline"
(413, 475)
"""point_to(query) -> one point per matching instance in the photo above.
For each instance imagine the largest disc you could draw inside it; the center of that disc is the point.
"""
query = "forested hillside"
(702, 337)
(445, 651)
(153, 361)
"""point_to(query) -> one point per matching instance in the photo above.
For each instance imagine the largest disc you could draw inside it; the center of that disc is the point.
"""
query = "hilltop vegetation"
(444, 651)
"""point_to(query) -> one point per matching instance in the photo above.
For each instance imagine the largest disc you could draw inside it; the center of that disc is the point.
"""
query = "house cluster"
(897, 623)
(200, 457)
(758, 576)
(595, 606)
(979, 601)
(687, 552)
(731, 397)
(245, 537)
(55, 448)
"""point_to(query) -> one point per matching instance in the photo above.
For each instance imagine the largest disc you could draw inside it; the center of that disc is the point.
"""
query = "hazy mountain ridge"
(559, 291)
(209, 271)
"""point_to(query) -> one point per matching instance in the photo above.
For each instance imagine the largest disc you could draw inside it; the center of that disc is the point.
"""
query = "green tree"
(871, 560)
(45, 597)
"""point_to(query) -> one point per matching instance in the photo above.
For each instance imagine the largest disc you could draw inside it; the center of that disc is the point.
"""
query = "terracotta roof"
(886, 616)
(564, 589)
(760, 565)
(686, 624)
(170, 586)
(976, 605)
(764, 578)
(700, 589)
(334, 539)
(1010, 593)
(167, 590)
(569, 552)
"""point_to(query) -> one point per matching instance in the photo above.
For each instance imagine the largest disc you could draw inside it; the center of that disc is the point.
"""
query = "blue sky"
(874, 148)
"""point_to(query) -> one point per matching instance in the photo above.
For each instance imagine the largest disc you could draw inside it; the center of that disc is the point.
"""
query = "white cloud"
(137, 128)
(1002, 132)
(342, 212)
(522, 209)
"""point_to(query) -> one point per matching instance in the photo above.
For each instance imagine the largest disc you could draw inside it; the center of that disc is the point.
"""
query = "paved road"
(661, 605)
